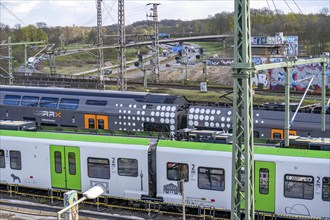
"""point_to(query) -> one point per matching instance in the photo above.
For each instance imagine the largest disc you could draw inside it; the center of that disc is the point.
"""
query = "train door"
(278, 134)
(65, 167)
(264, 182)
(96, 122)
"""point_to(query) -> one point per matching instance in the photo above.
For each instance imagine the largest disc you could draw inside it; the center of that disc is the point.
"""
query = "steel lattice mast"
(100, 59)
(242, 155)
(10, 62)
(155, 68)
(122, 82)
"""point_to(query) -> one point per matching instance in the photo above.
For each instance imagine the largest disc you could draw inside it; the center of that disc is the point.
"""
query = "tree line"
(312, 29)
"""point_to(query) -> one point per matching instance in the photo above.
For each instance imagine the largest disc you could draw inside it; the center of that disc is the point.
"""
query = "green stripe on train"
(76, 137)
(257, 150)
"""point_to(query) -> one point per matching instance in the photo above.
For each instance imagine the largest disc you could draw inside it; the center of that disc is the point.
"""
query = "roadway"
(165, 63)
(163, 41)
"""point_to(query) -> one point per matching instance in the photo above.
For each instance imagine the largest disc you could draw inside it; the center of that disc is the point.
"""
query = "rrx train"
(137, 111)
(289, 183)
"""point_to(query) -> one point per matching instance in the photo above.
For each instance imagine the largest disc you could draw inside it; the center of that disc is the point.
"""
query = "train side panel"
(26, 162)
(124, 172)
(208, 175)
(301, 186)
(122, 169)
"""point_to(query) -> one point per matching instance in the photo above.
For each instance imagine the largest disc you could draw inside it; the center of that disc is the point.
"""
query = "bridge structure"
(163, 41)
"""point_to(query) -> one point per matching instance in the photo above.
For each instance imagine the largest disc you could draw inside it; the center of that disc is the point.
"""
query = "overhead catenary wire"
(293, 12)
(297, 6)
(109, 9)
(20, 20)
(90, 21)
(273, 16)
(306, 17)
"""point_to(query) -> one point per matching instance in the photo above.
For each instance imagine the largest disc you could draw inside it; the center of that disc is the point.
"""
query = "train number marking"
(318, 185)
(193, 171)
(113, 165)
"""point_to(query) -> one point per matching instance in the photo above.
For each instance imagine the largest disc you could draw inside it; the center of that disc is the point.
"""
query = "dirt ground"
(216, 74)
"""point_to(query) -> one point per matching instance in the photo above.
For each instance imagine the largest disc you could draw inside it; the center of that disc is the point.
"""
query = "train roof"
(164, 143)
(138, 96)
(257, 149)
(76, 137)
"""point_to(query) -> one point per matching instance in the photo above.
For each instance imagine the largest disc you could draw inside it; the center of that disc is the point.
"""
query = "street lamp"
(92, 193)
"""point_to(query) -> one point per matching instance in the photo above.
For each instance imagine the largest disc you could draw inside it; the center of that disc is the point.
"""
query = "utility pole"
(122, 82)
(324, 91)
(186, 73)
(25, 57)
(205, 71)
(10, 62)
(100, 59)
(52, 62)
(154, 15)
(242, 155)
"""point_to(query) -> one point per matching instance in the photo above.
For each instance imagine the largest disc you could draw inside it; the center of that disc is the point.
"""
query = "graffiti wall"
(290, 43)
(298, 73)
(261, 80)
(275, 78)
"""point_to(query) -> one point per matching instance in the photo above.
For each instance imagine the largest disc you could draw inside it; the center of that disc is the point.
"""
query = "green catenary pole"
(323, 95)
(287, 102)
(242, 156)
(10, 62)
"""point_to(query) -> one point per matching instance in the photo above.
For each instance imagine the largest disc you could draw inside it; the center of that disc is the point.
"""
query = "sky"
(83, 12)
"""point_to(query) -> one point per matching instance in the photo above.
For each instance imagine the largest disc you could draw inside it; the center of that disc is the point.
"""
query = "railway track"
(41, 211)
(101, 208)
(46, 203)
(218, 88)
(87, 82)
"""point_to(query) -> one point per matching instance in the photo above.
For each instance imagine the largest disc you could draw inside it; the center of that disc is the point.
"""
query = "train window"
(128, 167)
(46, 102)
(58, 161)
(177, 171)
(326, 189)
(263, 181)
(98, 168)
(91, 123)
(300, 187)
(100, 124)
(69, 103)
(256, 134)
(277, 135)
(30, 101)
(96, 102)
(72, 163)
(211, 178)
(11, 100)
(2, 159)
(15, 160)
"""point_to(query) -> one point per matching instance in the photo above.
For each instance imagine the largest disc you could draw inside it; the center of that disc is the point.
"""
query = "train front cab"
(92, 121)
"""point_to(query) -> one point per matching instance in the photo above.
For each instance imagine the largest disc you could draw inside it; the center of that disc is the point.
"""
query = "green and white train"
(288, 182)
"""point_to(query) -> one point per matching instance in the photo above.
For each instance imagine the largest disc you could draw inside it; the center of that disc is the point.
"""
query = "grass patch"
(195, 95)
(210, 47)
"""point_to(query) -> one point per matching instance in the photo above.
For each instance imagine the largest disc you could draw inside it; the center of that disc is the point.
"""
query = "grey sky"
(83, 12)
